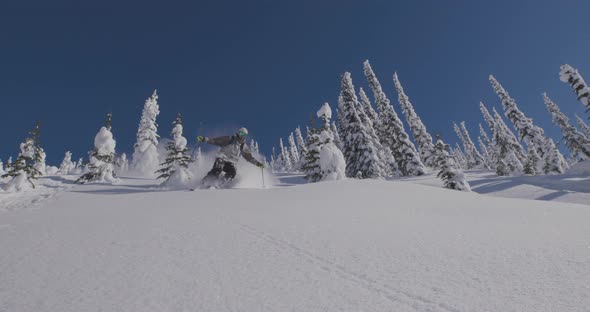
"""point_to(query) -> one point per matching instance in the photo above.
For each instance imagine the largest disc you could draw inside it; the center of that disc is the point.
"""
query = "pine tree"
(175, 169)
(39, 154)
(485, 153)
(336, 133)
(488, 144)
(553, 160)
(571, 76)
(507, 161)
(300, 143)
(359, 146)
(391, 132)
(518, 149)
(23, 171)
(533, 135)
(123, 163)
(2, 171)
(145, 156)
(368, 108)
(102, 158)
(474, 157)
(285, 160)
(583, 126)
(294, 152)
(66, 166)
(450, 173)
(578, 144)
(421, 136)
(459, 156)
(532, 162)
(323, 160)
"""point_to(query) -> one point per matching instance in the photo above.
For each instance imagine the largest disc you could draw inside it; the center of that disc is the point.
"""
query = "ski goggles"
(242, 133)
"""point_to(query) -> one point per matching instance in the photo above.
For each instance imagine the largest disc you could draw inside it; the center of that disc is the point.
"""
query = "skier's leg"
(230, 170)
(214, 172)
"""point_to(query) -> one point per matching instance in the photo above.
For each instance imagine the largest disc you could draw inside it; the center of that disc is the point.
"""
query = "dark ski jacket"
(231, 148)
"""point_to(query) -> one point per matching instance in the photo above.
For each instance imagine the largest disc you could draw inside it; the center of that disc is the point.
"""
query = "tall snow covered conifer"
(507, 161)
(360, 150)
(533, 135)
(175, 169)
(24, 170)
(571, 76)
(391, 132)
(421, 135)
(475, 155)
(294, 152)
(578, 144)
(145, 160)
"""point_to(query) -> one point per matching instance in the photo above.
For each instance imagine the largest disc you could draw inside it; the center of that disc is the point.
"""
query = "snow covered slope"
(334, 246)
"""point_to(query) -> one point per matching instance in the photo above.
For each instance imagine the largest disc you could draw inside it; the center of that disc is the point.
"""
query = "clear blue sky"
(267, 65)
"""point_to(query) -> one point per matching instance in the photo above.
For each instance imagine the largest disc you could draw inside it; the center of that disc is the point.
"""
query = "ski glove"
(200, 138)
(260, 165)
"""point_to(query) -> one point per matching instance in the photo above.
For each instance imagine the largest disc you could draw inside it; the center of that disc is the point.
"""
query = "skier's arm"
(248, 156)
(219, 141)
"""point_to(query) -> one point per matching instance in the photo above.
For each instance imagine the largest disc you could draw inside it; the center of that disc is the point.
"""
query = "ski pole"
(262, 171)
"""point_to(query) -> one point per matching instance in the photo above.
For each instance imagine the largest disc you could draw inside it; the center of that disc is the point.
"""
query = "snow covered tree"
(66, 166)
(583, 126)
(123, 163)
(2, 172)
(474, 157)
(421, 136)
(507, 161)
(485, 153)
(450, 173)
(294, 152)
(487, 144)
(571, 76)
(145, 156)
(300, 143)
(174, 170)
(368, 108)
(102, 158)
(509, 136)
(554, 162)
(323, 160)
(254, 147)
(23, 170)
(578, 144)
(285, 158)
(361, 144)
(459, 156)
(531, 164)
(336, 133)
(391, 132)
(531, 134)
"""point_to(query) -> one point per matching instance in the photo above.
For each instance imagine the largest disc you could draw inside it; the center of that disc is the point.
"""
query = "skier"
(231, 148)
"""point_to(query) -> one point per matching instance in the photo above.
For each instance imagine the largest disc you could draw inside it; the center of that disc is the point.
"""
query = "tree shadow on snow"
(562, 184)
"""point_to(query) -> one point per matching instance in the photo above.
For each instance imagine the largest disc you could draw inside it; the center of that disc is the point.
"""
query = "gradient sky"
(267, 65)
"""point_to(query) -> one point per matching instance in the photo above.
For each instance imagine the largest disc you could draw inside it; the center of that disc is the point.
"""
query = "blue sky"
(267, 65)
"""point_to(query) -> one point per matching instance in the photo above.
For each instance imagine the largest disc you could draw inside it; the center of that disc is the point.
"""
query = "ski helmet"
(242, 132)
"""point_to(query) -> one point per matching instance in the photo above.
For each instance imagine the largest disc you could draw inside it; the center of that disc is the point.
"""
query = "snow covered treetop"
(566, 71)
(325, 110)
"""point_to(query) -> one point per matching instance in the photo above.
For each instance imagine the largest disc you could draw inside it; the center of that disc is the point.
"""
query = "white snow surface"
(349, 245)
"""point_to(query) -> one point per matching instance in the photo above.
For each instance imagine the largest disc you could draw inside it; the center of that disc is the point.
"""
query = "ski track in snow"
(363, 280)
